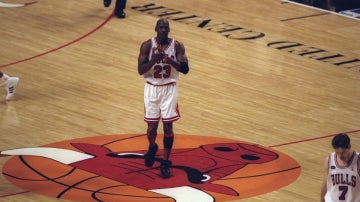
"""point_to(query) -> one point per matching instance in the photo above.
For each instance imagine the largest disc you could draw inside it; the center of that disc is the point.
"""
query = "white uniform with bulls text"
(343, 183)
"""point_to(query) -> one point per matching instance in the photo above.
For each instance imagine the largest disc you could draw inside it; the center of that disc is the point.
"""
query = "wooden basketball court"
(267, 72)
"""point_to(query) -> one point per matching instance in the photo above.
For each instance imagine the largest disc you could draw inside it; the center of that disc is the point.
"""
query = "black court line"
(302, 17)
(271, 173)
(307, 16)
(314, 8)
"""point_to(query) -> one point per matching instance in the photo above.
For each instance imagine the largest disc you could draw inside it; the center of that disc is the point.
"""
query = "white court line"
(7, 5)
(339, 14)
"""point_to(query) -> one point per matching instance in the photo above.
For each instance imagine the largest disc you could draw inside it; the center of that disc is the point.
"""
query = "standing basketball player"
(160, 60)
(119, 7)
(10, 83)
(342, 179)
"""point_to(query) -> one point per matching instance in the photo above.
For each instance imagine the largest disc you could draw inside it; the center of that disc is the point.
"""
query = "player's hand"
(167, 59)
(157, 57)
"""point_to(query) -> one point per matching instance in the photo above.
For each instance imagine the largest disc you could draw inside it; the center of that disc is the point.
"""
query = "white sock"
(4, 77)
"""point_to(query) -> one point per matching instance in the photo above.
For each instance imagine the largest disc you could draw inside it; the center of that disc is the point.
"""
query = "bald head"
(162, 21)
(162, 29)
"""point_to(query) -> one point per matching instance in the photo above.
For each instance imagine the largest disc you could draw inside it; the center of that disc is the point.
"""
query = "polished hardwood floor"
(266, 71)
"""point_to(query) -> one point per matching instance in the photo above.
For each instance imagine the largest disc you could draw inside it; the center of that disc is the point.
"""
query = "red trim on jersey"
(348, 163)
(160, 45)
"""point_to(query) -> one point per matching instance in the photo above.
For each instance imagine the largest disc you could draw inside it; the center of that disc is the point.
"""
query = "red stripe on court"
(13, 194)
(60, 47)
(29, 3)
(50, 51)
(307, 140)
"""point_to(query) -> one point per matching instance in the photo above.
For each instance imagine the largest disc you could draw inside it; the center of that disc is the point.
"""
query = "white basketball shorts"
(161, 102)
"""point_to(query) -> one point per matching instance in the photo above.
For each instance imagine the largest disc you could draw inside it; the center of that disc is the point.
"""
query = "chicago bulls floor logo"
(111, 168)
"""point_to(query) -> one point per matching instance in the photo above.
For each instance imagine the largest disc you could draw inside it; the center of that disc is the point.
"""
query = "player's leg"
(119, 8)
(168, 142)
(107, 3)
(10, 83)
(169, 114)
(153, 147)
(152, 117)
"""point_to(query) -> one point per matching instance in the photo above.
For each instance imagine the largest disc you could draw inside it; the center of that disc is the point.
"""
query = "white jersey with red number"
(162, 73)
(343, 183)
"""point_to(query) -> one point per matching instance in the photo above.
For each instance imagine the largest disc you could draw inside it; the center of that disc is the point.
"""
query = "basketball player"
(119, 7)
(160, 61)
(10, 83)
(342, 179)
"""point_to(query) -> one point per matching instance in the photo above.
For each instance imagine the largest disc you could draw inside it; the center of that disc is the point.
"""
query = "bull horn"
(64, 156)
(185, 194)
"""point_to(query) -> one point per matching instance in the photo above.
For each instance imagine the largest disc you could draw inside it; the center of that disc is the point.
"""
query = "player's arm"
(323, 185)
(143, 61)
(144, 64)
(359, 166)
(182, 64)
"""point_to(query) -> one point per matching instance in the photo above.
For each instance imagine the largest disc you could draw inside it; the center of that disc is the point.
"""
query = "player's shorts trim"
(151, 120)
(171, 119)
(168, 120)
(160, 84)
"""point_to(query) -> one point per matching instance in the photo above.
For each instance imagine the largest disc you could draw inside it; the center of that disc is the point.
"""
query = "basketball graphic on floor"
(111, 168)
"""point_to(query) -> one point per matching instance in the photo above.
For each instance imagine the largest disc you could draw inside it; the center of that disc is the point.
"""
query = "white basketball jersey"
(343, 183)
(162, 73)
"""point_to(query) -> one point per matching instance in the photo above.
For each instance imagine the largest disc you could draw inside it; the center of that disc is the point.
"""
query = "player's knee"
(152, 129)
(168, 129)
(153, 126)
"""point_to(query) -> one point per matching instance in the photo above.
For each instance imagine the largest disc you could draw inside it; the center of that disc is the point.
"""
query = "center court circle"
(113, 169)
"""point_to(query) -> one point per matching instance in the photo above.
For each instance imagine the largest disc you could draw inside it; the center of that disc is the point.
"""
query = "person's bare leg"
(168, 142)
(153, 147)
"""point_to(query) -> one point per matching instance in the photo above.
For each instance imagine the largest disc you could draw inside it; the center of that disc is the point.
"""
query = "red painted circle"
(237, 163)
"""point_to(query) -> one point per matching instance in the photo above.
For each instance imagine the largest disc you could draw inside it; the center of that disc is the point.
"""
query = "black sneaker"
(120, 13)
(150, 156)
(165, 169)
(107, 3)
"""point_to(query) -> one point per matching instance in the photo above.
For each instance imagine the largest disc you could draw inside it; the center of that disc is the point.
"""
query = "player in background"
(10, 84)
(119, 7)
(342, 172)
